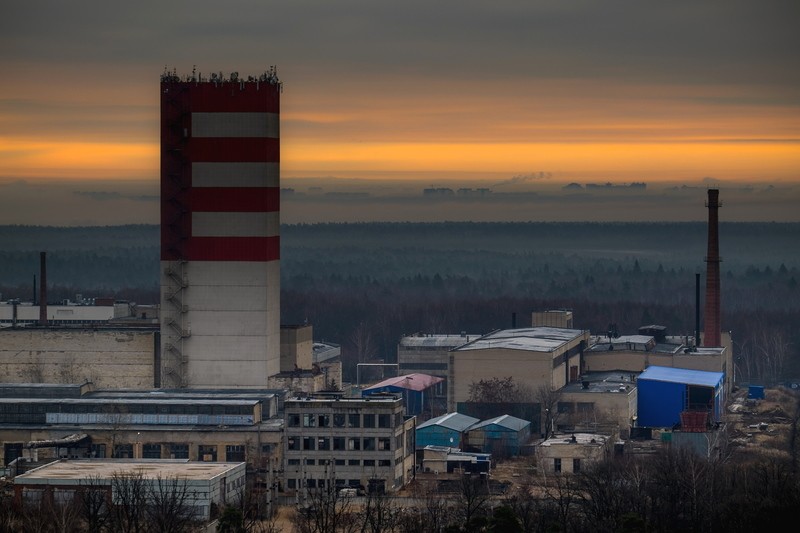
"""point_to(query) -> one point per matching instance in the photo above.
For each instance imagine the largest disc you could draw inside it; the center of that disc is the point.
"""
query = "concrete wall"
(119, 358)
(223, 327)
(604, 408)
(297, 347)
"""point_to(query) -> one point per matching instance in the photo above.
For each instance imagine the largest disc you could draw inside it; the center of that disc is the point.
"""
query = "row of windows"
(341, 420)
(320, 483)
(126, 408)
(233, 452)
(340, 462)
(339, 443)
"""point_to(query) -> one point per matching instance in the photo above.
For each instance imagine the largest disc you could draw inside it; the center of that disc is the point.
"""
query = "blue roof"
(506, 421)
(682, 375)
(454, 421)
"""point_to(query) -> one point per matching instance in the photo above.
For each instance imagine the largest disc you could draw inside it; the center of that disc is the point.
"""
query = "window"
(566, 407)
(234, 452)
(353, 462)
(323, 421)
(310, 462)
(323, 443)
(369, 421)
(207, 453)
(338, 443)
(338, 420)
(123, 451)
(384, 462)
(339, 462)
(384, 443)
(353, 421)
(294, 420)
(384, 421)
(557, 465)
(576, 465)
(369, 462)
(178, 451)
(369, 444)
(354, 444)
(293, 462)
(151, 451)
(309, 421)
(308, 443)
(293, 443)
(98, 451)
(291, 483)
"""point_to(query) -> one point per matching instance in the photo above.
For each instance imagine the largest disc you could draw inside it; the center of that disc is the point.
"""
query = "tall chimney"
(43, 289)
(697, 309)
(712, 314)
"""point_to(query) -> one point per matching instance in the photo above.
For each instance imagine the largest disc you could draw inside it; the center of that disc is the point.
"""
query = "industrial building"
(653, 347)
(427, 353)
(572, 453)
(47, 422)
(448, 430)
(601, 402)
(534, 357)
(220, 226)
(503, 436)
(439, 460)
(353, 442)
(204, 483)
(417, 391)
(674, 396)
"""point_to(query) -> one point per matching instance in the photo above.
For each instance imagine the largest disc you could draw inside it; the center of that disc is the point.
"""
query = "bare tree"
(93, 504)
(128, 510)
(379, 514)
(169, 505)
(472, 498)
(548, 399)
(328, 511)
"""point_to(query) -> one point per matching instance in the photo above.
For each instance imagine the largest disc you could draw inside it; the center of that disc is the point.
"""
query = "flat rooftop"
(538, 339)
(73, 471)
(436, 341)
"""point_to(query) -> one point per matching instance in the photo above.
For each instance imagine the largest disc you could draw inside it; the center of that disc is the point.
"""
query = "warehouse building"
(448, 430)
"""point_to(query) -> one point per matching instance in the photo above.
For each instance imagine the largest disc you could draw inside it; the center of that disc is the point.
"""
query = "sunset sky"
(581, 90)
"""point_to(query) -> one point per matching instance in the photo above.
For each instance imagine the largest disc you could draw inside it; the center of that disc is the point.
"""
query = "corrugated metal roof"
(416, 382)
(507, 421)
(682, 375)
(454, 421)
(538, 339)
(437, 341)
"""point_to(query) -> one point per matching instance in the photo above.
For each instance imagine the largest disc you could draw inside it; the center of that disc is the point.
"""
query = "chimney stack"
(712, 313)
(43, 289)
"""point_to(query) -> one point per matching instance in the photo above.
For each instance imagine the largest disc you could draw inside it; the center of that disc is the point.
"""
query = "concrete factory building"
(534, 357)
(363, 443)
(202, 483)
(220, 225)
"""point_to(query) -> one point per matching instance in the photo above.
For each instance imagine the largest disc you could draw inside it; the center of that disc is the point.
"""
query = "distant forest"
(364, 285)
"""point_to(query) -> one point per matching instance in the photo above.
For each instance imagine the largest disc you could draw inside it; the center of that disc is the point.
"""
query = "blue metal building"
(666, 393)
(446, 430)
(503, 435)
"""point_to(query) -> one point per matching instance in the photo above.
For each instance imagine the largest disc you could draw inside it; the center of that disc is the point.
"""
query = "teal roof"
(506, 421)
(454, 421)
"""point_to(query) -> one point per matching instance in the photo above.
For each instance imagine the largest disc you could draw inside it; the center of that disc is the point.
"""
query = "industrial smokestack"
(712, 314)
(697, 309)
(43, 289)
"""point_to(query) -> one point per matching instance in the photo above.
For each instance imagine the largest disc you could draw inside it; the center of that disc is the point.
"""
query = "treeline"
(365, 285)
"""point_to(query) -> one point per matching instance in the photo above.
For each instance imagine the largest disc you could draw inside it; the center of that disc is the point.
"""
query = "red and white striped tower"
(220, 231)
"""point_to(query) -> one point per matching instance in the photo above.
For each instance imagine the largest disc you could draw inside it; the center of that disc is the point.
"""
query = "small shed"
(503, 435)
(677, 396)
(441, 459)
(446, 430)
(414, 388)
